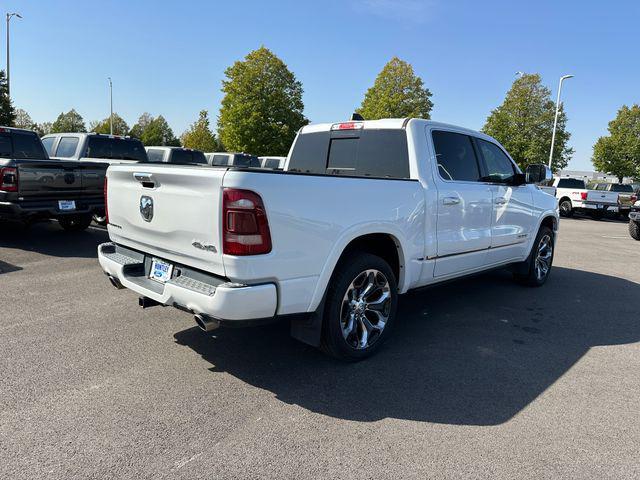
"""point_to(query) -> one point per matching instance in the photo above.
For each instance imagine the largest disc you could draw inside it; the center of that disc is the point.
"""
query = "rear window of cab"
(376, 153)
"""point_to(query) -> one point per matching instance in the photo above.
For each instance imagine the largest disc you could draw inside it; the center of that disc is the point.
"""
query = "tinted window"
(155, 155)
(187, 156)
(245, 161)
(499, 167)
(601, 186)
(220, 160)
(571, 183)
(367, 153)
(455, 156)
(48, 144)
(116, 149)
(67, 147)
(622, 188)
(272, 163)
(199, 158)
(5, 146)
(27, 145)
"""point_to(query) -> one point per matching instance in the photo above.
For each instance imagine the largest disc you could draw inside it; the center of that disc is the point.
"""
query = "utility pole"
(111, 111)
(9, 16)
(555, 121)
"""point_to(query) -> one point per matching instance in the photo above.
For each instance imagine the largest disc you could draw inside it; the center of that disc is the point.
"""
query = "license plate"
(600, 205)
(160, 271)
(66, 205)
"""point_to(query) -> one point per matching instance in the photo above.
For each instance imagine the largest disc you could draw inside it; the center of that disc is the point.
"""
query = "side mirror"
(538, 174)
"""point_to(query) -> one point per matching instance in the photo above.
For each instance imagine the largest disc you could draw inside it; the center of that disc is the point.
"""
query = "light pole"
(111, 110)
(555, 121)
(9, 16)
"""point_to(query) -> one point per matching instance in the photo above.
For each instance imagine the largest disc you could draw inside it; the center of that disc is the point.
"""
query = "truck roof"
(14, 129)
(387, 123)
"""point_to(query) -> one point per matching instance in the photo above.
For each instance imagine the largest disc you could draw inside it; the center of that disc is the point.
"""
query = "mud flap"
(307, 328)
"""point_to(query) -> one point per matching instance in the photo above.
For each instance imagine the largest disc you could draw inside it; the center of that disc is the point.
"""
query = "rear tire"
(566, 208)
(75, 223)
(634, 230)
(536, 268)
(100, 220)
(360, 307)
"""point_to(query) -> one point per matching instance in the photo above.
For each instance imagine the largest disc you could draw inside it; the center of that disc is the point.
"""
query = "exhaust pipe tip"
(205, 322)
(116, 283)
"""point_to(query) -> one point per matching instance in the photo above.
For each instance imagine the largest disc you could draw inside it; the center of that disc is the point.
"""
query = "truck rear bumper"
(188, 289)
(47, 208)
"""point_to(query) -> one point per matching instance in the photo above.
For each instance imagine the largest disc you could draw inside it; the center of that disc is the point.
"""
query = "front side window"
(67, 147)
(455, 156)
(499, 167)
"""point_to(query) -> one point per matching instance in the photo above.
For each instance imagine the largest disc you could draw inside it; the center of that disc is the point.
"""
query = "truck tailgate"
(172, 212)
(602, 197)
(49, 178)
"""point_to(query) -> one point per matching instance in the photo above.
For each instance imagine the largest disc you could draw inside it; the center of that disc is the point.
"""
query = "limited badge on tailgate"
(160, 270)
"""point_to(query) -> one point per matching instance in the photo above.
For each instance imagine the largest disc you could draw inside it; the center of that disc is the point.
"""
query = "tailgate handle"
(146, 179)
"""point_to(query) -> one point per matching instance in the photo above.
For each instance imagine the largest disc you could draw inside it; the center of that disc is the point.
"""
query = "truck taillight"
(633, 199)
(583, 195)
(106, 204)
(9, 179)
(244, 223)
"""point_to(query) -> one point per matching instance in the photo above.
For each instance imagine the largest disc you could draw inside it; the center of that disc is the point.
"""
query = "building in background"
(588, 176)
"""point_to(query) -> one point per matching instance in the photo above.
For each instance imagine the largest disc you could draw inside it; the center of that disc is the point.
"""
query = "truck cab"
(177, 155)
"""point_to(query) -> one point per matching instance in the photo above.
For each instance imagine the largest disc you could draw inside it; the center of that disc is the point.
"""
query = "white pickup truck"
(573, 196)
(363, 212)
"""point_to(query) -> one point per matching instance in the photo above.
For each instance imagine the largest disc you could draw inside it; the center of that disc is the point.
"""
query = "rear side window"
(116, 149)
(155, 155)
(67, 147)
(48, 144)
(367, 153)
(455, 156)
(272, 163)
(27, 145)
(571, 183)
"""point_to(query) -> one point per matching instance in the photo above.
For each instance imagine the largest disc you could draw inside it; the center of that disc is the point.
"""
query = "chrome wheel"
(365, 310)
(543, 257)
(565, 208)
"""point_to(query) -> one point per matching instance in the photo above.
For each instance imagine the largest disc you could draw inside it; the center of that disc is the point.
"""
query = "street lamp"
(9, 16)
(555, 121)
(111, 111)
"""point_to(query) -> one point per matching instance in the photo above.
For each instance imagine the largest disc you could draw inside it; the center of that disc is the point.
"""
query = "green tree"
(143, 122)
(523, 124)
(396, 93)
(199, 136)
(43, 128)
(23, 120)
(619, 152)
(69, 122)
(120, 127)
(7, 112)
(262, 108)
(158, 132)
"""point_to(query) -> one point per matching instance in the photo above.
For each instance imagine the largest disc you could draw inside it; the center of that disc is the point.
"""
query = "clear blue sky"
(169, 57)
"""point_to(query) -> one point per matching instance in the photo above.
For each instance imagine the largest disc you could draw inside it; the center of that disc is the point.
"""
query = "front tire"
(75, 223)
(360, 307)
(537, 266)
(634, 230)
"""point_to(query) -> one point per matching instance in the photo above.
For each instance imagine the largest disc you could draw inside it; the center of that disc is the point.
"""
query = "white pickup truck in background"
(363, 212)
(573, 196)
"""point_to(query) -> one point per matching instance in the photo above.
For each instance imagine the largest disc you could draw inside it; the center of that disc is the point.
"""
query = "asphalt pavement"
(482, 378)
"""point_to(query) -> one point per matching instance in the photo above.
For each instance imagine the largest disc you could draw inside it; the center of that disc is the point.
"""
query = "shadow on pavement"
(474, 352)
(48, 238)
(8, 268)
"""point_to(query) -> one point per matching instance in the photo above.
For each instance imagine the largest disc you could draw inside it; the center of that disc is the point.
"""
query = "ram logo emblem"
(146, 208)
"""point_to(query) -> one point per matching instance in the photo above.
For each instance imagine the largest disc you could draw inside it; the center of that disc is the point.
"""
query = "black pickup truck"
(35, 187)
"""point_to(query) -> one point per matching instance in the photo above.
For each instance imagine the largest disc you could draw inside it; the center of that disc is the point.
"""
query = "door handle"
(451, 200)
(500, 201)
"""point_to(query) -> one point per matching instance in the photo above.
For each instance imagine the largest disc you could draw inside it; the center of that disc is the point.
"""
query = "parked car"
(626, 196)
(364, 212)
(225, 159)
(35, 187)
(273, 163)
(573, 196)
(178, 155)
(634, 221)
(95, 148)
